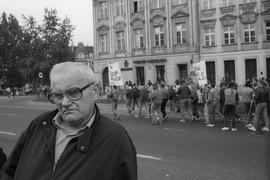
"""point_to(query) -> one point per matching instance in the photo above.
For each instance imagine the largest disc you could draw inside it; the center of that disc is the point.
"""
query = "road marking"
(26, 107)
(8, 133)
(7, 114)
(173, 129)
(148, 157)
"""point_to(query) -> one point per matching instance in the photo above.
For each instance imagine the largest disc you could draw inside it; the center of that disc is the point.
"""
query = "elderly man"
(73, 142)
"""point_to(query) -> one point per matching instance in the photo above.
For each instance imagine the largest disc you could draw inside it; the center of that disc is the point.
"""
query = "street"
(171, 151)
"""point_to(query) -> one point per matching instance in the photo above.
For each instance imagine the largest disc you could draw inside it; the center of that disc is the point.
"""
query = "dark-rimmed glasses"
(73, 94)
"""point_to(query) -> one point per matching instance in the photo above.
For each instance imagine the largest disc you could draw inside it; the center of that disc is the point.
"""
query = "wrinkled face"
(75, 113)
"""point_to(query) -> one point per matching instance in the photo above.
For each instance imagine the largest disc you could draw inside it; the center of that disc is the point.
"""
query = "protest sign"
(198, 73)
(115, 77)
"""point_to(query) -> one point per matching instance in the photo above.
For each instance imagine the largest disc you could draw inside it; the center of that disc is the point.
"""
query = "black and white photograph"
(135, 90)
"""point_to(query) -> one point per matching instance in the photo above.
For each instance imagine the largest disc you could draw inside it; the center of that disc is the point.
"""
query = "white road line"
(8, 114)
(26, 107)
(148, 157)
(173, 129)
(8, 133)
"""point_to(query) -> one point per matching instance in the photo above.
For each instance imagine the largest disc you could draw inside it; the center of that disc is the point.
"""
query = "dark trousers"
(195, 109)
(163, 107)
(229, 111)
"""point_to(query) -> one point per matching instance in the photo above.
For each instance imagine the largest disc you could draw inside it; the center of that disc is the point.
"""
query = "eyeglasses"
(73, 94)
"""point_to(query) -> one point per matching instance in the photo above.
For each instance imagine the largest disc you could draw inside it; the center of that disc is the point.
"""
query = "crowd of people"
(190, 102)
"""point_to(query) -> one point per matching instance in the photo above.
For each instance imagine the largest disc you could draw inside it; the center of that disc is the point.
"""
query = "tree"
(10, 35)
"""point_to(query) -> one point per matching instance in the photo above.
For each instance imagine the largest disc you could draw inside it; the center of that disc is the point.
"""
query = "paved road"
(171, 151)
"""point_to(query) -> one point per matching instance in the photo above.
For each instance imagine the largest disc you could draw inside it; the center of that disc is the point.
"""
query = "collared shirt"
(65, 133)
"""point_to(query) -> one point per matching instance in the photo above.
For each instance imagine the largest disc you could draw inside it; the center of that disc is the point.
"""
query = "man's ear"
(95, 91)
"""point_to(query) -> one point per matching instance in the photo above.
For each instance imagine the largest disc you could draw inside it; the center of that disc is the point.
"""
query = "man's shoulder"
(44, 118)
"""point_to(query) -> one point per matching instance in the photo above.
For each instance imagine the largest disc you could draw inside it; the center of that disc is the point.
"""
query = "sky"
(79, 11)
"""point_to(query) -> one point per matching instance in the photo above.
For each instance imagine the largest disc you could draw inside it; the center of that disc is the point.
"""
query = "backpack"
(172, 94)
(136, 93)
(129, 93)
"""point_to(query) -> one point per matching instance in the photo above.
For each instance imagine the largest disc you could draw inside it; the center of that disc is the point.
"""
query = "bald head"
(76, 70)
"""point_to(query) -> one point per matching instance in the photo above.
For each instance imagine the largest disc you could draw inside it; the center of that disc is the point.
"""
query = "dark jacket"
(261, 95)
(184, 92)
(144, 94)
(3, 158)
(105, 151)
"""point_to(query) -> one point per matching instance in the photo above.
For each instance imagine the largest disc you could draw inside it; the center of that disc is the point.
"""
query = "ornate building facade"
(158, 39)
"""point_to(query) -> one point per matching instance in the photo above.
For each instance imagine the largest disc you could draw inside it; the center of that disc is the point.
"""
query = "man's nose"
(66, 101)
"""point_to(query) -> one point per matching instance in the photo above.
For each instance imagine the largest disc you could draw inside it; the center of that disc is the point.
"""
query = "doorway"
(183, 73)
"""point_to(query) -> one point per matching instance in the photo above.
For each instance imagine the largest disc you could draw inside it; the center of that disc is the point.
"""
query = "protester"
(144, 101)
(156, 98)
(184, 94)
(172, 97)
(73, 142)
(129, 94)
(165, 97)
(212, 101)
(200, 102)
(177, 98)
(115, 99)
(247, 99)
(261, 97)
(231, 100)
(135, 99)
(3, 158)
(194, 102)
(222, 97)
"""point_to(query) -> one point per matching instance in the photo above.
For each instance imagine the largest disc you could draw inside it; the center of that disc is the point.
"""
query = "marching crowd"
(191, 102)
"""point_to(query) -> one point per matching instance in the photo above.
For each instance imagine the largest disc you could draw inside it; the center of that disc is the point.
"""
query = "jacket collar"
(49, 132)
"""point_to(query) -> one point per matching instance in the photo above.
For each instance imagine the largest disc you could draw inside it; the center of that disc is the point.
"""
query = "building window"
(140, 75)
(119, 7)
(249, 33)
(160, 73)
(156, 4)
(210, 71)
(229, 35)
(227, 3)
(180, 1)
(104, 43)
(251, 69)
(229, 68)
(120, 40)
(181, 33)
(103, 10)
(248, 1)
(159, 35)
(136, 4)
(138, 33)
(210, 36)
(208, 4)
(267, 30)
(268, 67)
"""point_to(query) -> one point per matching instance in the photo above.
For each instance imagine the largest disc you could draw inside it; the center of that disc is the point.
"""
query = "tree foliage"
(32, 48)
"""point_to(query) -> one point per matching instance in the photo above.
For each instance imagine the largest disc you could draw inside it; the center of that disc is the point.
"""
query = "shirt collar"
(60, 124)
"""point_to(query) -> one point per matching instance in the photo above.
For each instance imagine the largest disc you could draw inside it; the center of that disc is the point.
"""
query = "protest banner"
(115, 77)
(198, 73)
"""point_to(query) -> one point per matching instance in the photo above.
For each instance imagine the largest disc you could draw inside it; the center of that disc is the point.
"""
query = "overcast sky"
(79, 12)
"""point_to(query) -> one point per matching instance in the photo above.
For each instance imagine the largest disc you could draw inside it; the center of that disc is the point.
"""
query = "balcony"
(138, 51)
(159, 49)
(249, 46)
(229, 47)
(179, 48)
(227, 9)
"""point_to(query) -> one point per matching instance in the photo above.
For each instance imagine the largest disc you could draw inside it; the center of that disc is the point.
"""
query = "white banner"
(115, 77)
(198, 73)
